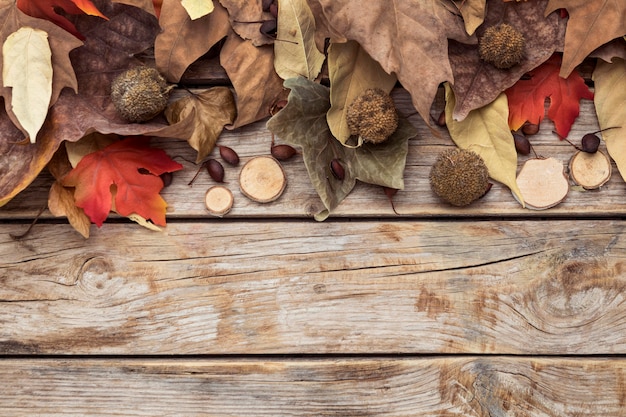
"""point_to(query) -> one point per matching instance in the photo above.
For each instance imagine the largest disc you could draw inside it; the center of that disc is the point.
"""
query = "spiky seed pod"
(459, 176)
(139, 94)
(502, 46)
(372, 116)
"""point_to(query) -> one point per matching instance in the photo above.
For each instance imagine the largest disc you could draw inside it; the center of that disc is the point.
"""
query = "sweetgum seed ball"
(502, 46)
(139, 94)
(459, 177)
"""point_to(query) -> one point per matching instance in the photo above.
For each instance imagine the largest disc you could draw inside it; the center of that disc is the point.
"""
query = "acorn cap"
(139, 94)
(459, 176)
(372, 116)
(502, 46)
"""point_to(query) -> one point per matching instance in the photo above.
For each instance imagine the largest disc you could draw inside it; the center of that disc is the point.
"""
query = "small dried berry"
(441, 121)
(229, 155)
(530, 129)
(268, 28)
(215, 169)
(274, 9)
(167, 178)
(265, 4)
(590, 143)
(337, 169)
(522, 144)
(282, 152)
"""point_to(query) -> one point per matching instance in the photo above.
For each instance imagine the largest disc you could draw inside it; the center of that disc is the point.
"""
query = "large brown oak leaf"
(409, 38)
(591, 23)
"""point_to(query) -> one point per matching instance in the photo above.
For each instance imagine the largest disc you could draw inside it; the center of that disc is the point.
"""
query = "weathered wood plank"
(443, 387)
(522, 287)
(417, 199)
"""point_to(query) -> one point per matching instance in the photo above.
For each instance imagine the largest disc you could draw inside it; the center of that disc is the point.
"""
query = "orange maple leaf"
(44, 9)
(527, 97)
(116, 171)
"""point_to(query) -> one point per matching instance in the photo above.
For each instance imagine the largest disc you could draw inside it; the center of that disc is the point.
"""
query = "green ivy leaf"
(303, 123)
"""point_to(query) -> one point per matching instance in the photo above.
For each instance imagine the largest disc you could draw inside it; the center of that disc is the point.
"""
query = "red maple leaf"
(45, 9)
(117, 171)
(527, 97)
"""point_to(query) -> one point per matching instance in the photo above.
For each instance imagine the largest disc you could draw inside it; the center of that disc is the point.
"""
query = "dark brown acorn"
(215, 170)
(229, 155)
(337, 169)
(282, 152)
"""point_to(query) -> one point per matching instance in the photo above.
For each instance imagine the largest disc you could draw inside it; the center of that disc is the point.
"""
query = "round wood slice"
(542, 183)
(262, 179)
(590, 170)
(218, 200)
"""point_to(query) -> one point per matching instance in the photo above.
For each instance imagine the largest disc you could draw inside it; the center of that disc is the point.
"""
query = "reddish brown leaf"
(590, 25)
(151, 6)
(45, 9)
(119, 165)
(477, 83)
(527, 97)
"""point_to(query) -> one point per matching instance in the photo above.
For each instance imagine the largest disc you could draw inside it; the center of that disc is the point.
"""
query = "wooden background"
(489, 310)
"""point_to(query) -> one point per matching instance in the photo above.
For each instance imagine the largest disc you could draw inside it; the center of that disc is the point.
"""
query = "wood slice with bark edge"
(542, 183)
(218, 200)
(262, 179)
(590, 170)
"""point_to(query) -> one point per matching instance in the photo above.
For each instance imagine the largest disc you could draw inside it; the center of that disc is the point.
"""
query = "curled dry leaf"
(211, 110)
(542, 182)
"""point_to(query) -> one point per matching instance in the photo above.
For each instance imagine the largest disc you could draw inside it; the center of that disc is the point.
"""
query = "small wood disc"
(542, 183)
(590, 170)
(218, 200)
(262, 179)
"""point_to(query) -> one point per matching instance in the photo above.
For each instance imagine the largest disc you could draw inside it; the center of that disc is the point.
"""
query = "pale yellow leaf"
(295, 53)
(473, 12)
(197, 8)
(610, 96)
(486, 132)
(27, 68)
(87, 144)
(351, 71)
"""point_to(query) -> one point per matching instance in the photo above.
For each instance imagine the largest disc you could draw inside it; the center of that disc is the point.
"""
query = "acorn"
(372, 116)
(139, 94)
(502, 46)
(459, 176)
(590, 143)
(522, 144)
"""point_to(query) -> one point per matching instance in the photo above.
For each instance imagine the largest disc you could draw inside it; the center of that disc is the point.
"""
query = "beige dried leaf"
(61, 203)
(197, 8)
(351, 71)
(27, 69)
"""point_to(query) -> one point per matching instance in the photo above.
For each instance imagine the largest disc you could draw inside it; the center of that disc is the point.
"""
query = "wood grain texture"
(416, 200)
(444, 387)
(289, 287)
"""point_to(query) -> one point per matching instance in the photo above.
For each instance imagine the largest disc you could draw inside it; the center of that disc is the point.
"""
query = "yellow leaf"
(197, 8)
(28, 69)
(295, 53)
(212, 109)
(610, 96)
(486, 132)
(351, 71)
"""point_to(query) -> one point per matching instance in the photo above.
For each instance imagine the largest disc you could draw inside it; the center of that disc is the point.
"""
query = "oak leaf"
(183, 40)
(351, 71)
(527, 97)
(477, 83)
(610, 96)
(408, 38)
(302, 123)
(27, 69)
(45, 9)
(295, 54)
(591, 23)
(486, 132)
(119, 165)
(211, 109)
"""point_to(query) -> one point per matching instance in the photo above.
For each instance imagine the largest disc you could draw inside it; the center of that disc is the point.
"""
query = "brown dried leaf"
(245, 17)
(151, 6)
(477, 83)
(590, 25)
(182, 40)
(473, 12)
(251, 70)
(408, 38)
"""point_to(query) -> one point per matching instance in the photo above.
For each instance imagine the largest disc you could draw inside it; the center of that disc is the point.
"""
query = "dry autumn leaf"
(119, 165)
(197, 8)
(295, 53)
(45, 9)
(486, 132)
(591, 23)
(351, 71)
(473, 12)
(527, 97)
(610, 96)
(245, 18)
(409, 39)
(183, 40)
(151, 6)
(27, 69)
(211, 110)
